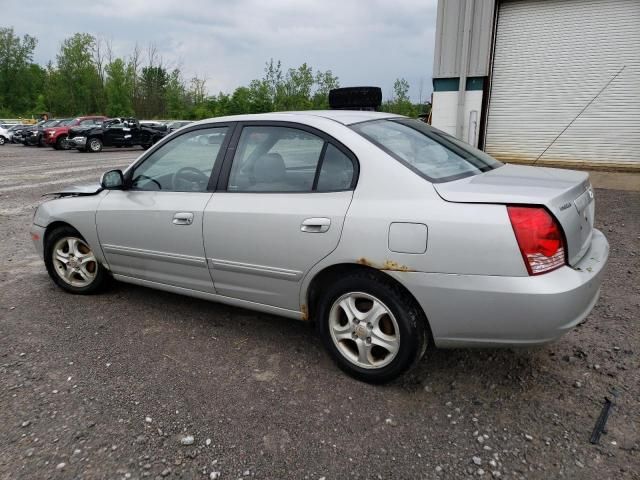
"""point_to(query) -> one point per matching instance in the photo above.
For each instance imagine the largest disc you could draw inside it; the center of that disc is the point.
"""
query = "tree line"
(87, 78)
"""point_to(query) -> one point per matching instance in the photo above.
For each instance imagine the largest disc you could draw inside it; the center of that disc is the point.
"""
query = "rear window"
(433, 154)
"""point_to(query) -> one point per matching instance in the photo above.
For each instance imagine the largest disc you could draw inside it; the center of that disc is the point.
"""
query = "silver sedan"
(389, 234)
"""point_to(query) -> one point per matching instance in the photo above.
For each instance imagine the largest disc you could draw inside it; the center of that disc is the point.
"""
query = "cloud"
(368, 42)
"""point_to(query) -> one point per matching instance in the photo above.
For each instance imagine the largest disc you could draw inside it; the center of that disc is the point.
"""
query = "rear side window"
(336, 172)
(285, 159)
(432, 154)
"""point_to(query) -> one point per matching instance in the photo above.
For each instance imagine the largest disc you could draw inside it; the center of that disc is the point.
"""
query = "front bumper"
(478, 310)
(77, 142)
(37, 237)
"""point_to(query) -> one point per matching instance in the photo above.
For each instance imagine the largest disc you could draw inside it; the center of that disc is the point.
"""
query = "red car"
(55, 136)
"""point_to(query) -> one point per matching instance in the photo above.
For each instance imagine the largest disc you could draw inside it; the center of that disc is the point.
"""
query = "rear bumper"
(477, 310)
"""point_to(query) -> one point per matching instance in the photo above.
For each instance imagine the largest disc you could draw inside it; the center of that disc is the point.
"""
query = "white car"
(389, 234)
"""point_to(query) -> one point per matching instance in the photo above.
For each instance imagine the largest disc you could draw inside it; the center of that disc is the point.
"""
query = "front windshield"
(429, 152)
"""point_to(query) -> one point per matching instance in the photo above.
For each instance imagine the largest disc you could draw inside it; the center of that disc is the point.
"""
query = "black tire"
(61, 143)
(2, 140)
(100, 274)
(146, 146)
(94, 145)
(409, 317)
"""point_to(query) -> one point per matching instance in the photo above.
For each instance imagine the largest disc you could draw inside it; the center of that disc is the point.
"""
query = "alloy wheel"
(364, 330)
(74, 262)
(94, 145)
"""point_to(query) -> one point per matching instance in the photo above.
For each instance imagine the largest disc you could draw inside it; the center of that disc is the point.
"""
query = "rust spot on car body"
(395, 266)
(389, 265)
(364, 261)
(304, 312)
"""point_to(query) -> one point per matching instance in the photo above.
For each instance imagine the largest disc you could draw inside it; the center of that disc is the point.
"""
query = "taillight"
(539, 237)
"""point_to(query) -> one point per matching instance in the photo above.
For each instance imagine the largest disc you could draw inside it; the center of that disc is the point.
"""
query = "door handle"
(183, 218)
(315, 225)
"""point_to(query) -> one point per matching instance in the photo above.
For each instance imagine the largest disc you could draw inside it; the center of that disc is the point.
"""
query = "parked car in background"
(176, 124)
(114, 132)
(6, 133)
(389, 234)
(20, 132)
(157, 124)
(56, 136)
(34, 136)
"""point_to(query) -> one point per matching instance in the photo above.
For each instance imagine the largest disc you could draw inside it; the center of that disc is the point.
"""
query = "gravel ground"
(135, 383)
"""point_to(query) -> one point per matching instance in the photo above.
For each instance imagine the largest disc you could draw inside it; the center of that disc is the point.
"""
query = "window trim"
(440, 140)
(217, 162)
(223, 179)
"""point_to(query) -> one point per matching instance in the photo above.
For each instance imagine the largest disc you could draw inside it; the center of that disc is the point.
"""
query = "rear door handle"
(183, 218)
(315, 225)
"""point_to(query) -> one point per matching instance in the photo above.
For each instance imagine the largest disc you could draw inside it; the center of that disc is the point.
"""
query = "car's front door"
(279, 208)
(113, 134)
(152, 230)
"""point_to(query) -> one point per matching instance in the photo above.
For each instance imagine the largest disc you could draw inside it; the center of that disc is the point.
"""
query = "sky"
(363, 42)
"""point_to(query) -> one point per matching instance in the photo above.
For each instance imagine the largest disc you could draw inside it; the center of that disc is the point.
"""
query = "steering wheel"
(194, 177)
(144, 177)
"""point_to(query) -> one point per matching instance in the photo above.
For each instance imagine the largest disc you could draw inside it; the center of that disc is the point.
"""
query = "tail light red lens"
(539, 237)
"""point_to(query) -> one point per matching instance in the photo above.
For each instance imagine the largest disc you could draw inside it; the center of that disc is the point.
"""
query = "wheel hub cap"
(364, 330)
(361, 331)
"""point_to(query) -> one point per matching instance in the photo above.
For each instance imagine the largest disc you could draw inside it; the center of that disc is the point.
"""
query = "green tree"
(153, 84)
(297, 88)
(400, 103)
(240, 101)
(325, 81)
(176, 95)
(77, 85)
(21, 81)
(118, 89)
(260, 99)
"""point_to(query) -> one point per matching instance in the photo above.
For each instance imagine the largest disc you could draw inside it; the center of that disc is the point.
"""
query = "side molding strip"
(155, 255)
(273, 272)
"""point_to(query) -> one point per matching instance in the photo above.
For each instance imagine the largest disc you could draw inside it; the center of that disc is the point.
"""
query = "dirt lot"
(108, 386)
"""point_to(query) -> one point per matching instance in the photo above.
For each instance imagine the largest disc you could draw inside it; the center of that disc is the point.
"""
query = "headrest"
(269, 168)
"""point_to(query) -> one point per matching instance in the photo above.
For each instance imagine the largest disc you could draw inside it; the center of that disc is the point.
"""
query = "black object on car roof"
(355, 98)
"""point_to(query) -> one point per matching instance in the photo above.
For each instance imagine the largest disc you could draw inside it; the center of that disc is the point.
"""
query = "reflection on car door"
(153, 229)
(270, 224)
(113, 135)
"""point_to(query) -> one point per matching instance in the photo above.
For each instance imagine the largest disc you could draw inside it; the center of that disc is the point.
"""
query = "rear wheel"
(71, 263)
(373, 329)
(94, 145)
(2, 140)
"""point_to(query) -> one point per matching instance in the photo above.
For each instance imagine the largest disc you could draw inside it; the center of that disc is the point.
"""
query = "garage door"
(566, 83)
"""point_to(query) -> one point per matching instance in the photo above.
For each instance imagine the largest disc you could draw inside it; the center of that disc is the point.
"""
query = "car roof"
(345, 117)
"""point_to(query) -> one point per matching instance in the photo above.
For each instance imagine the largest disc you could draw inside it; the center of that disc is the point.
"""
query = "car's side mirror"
(112, 180)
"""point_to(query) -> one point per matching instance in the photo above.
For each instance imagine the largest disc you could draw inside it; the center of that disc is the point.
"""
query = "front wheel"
(61, 143)
(373, 329)
(71, 263)
(2, 140)
(94, 145)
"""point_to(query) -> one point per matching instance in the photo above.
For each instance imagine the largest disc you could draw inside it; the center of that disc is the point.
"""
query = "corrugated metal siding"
(450, 34)
(552, 57)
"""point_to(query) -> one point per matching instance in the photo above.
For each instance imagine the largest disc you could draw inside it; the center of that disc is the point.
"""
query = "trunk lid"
(567, 194)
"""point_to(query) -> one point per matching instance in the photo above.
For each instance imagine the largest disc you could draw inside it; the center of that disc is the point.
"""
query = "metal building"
(551, 81)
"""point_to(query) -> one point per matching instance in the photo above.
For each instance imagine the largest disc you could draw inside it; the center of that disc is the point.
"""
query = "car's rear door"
(152, 230)
(279, 209)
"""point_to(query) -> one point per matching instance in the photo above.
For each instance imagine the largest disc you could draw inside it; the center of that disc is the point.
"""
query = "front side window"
(431, 153)
(284, 159)
(182, 165)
